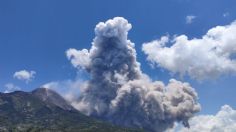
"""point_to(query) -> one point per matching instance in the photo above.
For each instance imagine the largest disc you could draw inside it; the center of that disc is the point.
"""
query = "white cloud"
(200, 58)
(24, 75)
(226, 14)
(10, 87)
(223, 121)
(189, 19)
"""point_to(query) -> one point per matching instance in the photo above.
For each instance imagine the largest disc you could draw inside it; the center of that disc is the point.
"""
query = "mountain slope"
(40, 111)
(51, 97)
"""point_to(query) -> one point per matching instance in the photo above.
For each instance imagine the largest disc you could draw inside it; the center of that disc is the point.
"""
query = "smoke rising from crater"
(119, 92)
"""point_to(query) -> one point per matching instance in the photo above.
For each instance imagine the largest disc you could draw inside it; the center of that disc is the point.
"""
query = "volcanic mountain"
(43, 110)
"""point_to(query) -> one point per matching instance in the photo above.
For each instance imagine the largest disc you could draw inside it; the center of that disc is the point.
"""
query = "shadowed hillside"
(45, 111)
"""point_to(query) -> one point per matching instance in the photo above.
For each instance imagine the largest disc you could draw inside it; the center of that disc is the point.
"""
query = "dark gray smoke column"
(119, 92)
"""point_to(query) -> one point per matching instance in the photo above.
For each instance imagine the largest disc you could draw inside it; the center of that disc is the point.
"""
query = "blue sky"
(34, 35)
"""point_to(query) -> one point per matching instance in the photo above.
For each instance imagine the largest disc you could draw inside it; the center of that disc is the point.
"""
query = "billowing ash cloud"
(119, 92)
(204, 58)
(223, 121)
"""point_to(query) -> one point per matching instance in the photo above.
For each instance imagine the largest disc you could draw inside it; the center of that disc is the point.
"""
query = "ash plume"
(119, 92)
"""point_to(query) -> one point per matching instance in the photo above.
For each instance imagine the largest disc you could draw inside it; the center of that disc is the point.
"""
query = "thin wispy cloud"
(10, 87)
(226, 14)
(190, 19)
